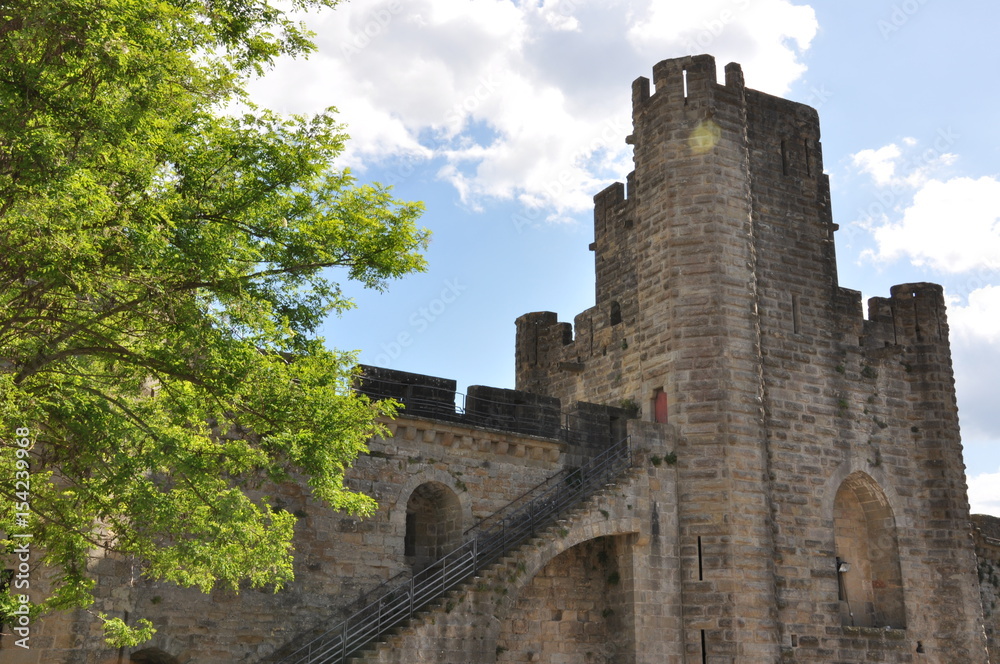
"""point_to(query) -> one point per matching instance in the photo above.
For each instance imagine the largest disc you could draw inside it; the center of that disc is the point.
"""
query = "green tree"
(164, 264)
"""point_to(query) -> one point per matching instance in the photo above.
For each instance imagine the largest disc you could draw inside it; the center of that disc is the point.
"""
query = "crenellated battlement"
(609, 197)
(679, 79)
(692, 82)
(798, 492)
(684, 77)
(585, 428)
(708, 159)
(914, 314)
(718, 309)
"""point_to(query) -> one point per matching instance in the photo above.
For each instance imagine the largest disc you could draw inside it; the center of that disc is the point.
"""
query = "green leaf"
(164, 267)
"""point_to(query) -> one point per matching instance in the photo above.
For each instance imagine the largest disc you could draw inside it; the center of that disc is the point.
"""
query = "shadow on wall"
(152, 656)
(433, 524)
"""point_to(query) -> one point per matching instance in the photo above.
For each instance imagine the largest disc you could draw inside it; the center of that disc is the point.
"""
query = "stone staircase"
(489, 586)
(497, 542)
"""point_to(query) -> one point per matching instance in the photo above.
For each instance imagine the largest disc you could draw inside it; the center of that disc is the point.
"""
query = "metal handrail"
(526, 497)
(487, 543)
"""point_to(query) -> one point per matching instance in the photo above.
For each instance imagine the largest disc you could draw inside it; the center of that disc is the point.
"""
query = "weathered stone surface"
(806, 501)
(717, 266)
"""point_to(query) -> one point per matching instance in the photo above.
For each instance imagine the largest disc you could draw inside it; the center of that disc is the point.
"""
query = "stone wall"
(806, 501)
(601, 585)
(720, 260)
(338, 558)
(986, 535)
(573, 610)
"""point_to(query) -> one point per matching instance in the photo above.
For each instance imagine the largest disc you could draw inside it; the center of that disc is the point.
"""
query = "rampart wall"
(444, 465)
(801, 493)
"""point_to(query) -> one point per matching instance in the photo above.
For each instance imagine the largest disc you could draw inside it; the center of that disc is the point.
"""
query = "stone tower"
(808, 437)
(734, 465)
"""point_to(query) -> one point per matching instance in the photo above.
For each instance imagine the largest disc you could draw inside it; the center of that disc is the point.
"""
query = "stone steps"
(497, 573)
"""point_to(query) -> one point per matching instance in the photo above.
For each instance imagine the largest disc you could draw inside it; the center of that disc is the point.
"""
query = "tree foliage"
(164, 264)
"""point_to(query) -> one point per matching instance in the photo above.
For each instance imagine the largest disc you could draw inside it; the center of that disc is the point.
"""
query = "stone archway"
(433, 524)
(152, 656)
(869, 576)
(577, 608)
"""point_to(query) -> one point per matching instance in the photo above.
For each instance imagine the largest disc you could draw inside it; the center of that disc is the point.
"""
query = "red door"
(660, 407)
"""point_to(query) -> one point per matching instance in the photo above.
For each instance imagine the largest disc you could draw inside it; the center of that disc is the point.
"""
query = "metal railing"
(399, 599)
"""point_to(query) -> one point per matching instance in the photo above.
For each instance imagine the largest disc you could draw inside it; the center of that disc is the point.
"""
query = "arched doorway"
(868, 571)
(152, 656)
(577, 608)
(433, 524)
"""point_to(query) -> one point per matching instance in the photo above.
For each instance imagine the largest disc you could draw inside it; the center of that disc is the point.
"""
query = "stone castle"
(723, 461)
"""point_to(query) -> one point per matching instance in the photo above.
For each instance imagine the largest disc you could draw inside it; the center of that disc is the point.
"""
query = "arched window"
(868, 572)
(616, 313)
(433, 524)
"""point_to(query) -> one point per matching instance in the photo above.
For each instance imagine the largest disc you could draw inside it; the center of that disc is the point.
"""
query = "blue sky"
(506, 117)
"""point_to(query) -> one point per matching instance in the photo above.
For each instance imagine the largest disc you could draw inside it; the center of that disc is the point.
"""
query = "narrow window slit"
(701, 569)
(805, 146)
(796, 318)
(784, 158)
(704, 650)
(410, 536)
(684, 76)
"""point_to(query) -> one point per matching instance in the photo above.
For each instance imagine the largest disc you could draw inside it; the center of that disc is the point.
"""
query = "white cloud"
(979, 319)
(765, 36)
(520, 100)
(951, 226)
(984, 493)
(558, 14)
(880, 163)
(907, 168)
